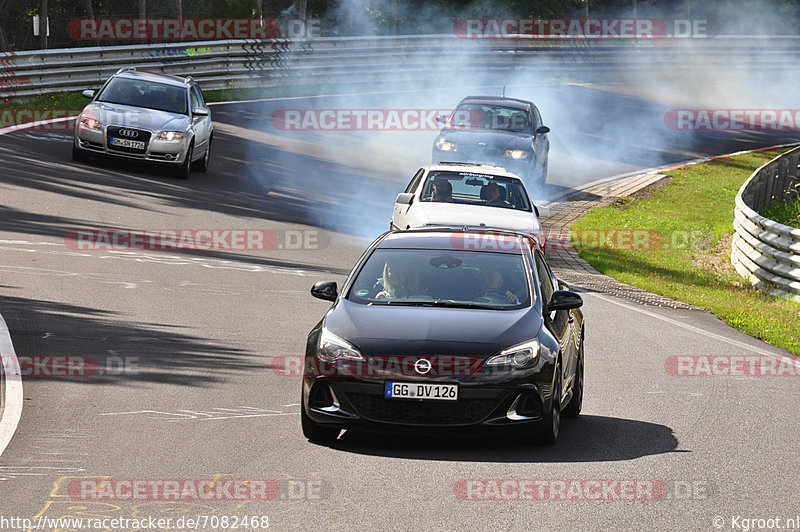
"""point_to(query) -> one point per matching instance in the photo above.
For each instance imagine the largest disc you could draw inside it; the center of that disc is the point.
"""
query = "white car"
(459, 194)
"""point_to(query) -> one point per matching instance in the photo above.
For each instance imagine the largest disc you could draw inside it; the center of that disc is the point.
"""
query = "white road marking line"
(698, 330)
(12, 400)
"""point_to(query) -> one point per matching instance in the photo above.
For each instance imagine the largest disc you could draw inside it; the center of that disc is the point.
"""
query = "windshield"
(463, 279)
(494, 117)
(145, 94)
(476, 189)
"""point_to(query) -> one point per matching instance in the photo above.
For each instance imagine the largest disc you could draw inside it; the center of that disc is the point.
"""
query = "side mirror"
(405, 198)
(541, 130)
(325, 290)
(543, 212)
(88, 94)
(564, 300)
(441, 119)
(199, 111)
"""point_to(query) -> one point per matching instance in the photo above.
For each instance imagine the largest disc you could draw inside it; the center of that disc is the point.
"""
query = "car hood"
(456, 214)
(416, 331)
(496, 139)
(112, 114)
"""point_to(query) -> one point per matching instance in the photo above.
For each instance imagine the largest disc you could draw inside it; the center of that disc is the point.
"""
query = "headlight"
(518, 356)
(331, 348)
(517, 154)
(87, 122)
(169, 135)
(445, 146)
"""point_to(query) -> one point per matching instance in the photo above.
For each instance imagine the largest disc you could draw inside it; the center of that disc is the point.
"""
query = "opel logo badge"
(130, 133)
(482, 144)
(422, 366)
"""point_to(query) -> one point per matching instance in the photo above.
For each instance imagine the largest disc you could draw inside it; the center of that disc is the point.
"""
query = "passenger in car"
(493, 285)
(400, 279)
(442, 191)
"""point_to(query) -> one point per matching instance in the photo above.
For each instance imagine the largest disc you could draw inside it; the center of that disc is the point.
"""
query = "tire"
(551, 424)
(541, 178)
(78, 154)
(573, 409)
(315, 432)
(202, 164)
(186, 168)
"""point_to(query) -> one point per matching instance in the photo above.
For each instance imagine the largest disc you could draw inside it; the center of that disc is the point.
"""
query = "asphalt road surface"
(183, 353)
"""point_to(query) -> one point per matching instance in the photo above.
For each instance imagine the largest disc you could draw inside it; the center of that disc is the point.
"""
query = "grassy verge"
(785, 212)
(688, 256)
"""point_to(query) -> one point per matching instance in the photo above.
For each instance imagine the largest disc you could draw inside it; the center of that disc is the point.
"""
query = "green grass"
(785, 212)
(694, 217)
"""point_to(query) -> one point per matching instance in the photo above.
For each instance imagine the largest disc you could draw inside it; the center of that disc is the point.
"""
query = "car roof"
(452, 239)
(499, 100)
(471, 168)
(166, 79)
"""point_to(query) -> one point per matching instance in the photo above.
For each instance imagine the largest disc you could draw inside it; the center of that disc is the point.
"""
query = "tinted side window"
(545, 284)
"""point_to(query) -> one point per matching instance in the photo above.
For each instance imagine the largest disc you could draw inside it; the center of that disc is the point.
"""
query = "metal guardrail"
(266, 63)
(763, 251)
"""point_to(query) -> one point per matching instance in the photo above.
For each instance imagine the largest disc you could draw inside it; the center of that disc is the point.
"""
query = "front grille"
(461, 412)
(141, 136)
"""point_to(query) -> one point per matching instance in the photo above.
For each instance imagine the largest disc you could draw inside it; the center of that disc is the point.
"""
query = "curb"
(10, 385)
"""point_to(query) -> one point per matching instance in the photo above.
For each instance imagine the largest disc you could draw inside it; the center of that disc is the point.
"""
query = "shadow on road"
(584, 439)
(100, 347)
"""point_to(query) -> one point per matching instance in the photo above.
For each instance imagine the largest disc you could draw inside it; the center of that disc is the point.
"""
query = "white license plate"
(125, 143)
(419, 390)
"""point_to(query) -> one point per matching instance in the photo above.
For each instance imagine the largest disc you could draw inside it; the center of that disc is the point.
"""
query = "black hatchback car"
(445, 328)
(499, 131)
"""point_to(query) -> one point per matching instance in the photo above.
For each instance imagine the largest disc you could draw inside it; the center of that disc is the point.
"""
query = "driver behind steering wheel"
(493, 195)
(493, 285)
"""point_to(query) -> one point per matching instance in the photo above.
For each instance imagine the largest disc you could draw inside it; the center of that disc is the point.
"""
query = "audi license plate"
(125, 143)
(418, 390)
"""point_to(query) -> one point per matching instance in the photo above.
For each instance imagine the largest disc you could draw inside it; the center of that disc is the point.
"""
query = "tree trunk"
(43, 24)
(142, 9)
(179, 9)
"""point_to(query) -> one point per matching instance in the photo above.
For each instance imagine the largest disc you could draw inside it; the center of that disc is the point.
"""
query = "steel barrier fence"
(269, 63)
(764, 251)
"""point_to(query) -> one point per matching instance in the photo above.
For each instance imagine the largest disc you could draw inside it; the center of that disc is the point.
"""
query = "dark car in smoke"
(499, 131)
(443, 329)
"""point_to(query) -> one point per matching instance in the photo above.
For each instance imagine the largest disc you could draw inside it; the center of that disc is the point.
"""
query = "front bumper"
(96, 142)
(360, 403)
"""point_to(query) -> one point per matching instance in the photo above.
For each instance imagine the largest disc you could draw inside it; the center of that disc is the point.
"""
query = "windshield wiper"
(449, 303)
